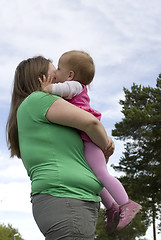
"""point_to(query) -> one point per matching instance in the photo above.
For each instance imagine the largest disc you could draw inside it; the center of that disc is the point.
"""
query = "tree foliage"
(136, 229)
(140, 128)
(8, 232)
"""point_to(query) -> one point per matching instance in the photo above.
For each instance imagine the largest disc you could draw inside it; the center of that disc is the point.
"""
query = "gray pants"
(65, 218)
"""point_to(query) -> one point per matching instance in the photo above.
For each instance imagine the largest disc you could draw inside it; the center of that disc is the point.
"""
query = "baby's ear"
(71, 75)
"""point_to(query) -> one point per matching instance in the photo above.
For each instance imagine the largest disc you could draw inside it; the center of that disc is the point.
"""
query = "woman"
(42, 132)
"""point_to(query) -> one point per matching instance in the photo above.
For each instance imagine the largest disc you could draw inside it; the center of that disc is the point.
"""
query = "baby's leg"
(106, 198)
(96, 160)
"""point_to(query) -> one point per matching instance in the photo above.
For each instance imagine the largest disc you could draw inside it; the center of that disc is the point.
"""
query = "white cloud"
(15, 197)
(14, 184)
(15, 205)
(11, 169)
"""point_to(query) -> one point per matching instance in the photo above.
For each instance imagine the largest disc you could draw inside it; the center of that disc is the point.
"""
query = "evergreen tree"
(141, 161)
(8, 232)
(136, 229)
(100, 233)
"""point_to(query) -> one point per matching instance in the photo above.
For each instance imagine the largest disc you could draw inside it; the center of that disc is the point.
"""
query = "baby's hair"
(82, 64)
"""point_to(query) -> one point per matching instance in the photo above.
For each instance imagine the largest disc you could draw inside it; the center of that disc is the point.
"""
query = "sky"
(124, 40)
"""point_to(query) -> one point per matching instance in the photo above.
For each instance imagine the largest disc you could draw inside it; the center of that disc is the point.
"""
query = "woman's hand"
(109, 150)
(46, 84)
(64, 113)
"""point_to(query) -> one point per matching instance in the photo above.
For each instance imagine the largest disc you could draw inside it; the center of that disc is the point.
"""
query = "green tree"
(100, 228)
(8, 232)
(136, 229)
(141, 161)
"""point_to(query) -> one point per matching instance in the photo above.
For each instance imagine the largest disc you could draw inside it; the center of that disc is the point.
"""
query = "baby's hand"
(46, 84)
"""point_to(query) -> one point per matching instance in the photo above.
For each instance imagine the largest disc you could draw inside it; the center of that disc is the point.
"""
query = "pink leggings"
(113, 190)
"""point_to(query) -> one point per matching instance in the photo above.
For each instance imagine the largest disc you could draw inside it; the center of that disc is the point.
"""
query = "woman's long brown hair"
(25, 82)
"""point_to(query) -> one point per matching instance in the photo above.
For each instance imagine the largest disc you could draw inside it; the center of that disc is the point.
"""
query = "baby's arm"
(67, 89)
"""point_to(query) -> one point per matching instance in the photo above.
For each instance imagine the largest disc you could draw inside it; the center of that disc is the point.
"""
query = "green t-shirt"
(53, 154)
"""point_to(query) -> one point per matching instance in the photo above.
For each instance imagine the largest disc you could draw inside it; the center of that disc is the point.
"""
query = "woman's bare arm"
(64, 113)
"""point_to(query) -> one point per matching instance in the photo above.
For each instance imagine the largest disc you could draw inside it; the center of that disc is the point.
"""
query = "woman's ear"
(71, 76)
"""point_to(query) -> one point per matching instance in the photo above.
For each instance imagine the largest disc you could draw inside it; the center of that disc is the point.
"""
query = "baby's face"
(62, 72)
(51, 71)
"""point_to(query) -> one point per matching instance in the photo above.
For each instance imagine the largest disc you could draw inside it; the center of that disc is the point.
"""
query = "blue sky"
(124, 39)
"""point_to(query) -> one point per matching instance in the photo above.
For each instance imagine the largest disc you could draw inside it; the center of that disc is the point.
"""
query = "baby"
(75, 71)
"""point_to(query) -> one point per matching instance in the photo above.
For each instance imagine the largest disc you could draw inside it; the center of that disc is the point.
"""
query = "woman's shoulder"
(36, 95)
(37, 104)
(38, 99)
(41, 96)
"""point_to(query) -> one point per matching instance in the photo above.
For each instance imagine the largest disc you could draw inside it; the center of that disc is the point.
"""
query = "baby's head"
(79, 65)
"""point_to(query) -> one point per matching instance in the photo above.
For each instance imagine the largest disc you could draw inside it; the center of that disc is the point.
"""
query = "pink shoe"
(128, 212)
(113, 216)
